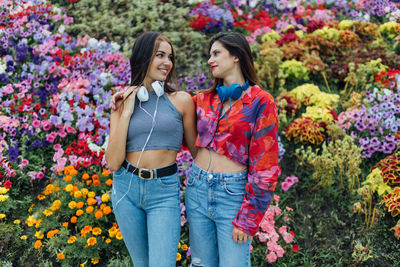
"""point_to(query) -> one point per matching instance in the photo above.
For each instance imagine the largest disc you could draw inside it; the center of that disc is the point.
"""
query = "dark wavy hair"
(238, 46)
(143, 52)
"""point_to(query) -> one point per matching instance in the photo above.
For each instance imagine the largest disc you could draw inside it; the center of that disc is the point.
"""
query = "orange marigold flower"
(91, 241)
(74, 219)
(57, 203)
(67, 178)
(109, 182)
(38, 243)
(71, 239)
(95, 260)
(86, 230)
(91, 201)
(89, 209)
(88, 182)
(105, 173)
(85, 176)
(79, 205)
(96, 231)
(40, 197)
(73, 171)
(61, 256)
(52, 233)
(107, 210)
(98, 214)
(95, 177)
(65, 224)
(96, 182)
(79, 212)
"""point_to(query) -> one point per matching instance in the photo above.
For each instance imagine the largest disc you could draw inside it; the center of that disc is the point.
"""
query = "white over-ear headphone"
(143, 94)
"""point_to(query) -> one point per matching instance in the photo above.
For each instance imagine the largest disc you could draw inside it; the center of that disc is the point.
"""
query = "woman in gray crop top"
(146, 130)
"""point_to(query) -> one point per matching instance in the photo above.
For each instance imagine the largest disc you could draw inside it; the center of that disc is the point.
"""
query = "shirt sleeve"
(263, 168)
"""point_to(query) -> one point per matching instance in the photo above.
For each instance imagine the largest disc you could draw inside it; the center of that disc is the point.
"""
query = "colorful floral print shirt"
(247, 134)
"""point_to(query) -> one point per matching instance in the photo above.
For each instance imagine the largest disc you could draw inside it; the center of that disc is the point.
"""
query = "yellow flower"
(61, 256)
(69, 187)
(57, 203)
(72, 205)
(105, 197)
(345, 24)
(31, 207)
(77, 194)
(185, 247)
(30, 221)
(95, 260)
(23, 237)
(112, 231)
(108, 240)
(91, 241)
(96, 231)
(178, 256)
(39, 235)
(47, 212)
(37, 245)
(3, 190)
(84, 192)
(304, 92)
(91, 194)
(17, 221)
(40, 197)
(179, 245)
(2, 215)
(71, 239)
(118, 236)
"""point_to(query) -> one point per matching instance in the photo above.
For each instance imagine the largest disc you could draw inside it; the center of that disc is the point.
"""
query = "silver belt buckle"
(141, 170)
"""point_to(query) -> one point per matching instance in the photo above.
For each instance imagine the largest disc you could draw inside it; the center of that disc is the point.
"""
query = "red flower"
(292, 233)
(295, 248)
(7, 184)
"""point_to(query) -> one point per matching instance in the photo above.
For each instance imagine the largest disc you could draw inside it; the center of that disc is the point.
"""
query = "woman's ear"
(236, 59)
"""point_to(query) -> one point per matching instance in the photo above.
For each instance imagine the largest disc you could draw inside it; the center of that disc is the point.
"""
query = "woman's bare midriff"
(152, 159)
(219, 163)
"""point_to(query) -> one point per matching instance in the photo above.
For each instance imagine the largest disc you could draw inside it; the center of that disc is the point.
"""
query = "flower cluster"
(75, 209)
(275, 233)
(289, 182)
(376, 123)
(305, 130)
(196, 83)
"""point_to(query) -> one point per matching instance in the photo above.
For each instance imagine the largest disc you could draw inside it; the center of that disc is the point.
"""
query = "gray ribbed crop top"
(168, 129)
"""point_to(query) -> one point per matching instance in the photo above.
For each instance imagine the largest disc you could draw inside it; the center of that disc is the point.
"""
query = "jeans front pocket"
(235, 187)
(169, 181)
(191, 199)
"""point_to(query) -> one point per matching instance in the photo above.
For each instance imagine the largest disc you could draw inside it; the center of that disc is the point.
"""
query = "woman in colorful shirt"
(236, 168)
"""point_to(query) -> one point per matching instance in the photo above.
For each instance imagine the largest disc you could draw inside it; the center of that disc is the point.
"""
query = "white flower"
(93, 42)
(366, 17)
(115, 46)
(61, 29)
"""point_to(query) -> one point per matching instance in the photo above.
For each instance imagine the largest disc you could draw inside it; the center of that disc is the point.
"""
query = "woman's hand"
(127, 97)
(239, 236)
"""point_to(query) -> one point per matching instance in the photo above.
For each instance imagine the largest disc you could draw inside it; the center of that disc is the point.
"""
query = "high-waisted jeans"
(212, 201)
(148, 215)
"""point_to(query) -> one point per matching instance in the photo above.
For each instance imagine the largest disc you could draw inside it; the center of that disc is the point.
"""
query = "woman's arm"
(263, 167)
(189, 120)
(119, 123)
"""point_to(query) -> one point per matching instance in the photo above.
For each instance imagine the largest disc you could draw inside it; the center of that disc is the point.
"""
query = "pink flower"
(287, 237)
(24, 162)
(183, 220)
(51, 137)
(39, 175)
(263, 237)
(56, 17)
(282, 229)
(285, 186)
(70, 129)
(57, 147)
(36, 123)
(271, 257)
(276, 198)
(289, 208)
(279, 251)
(52, 68)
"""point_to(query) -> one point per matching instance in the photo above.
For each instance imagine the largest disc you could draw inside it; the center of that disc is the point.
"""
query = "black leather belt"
(147, 174)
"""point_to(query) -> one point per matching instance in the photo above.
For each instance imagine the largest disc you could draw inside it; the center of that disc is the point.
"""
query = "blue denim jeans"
(212, 201)
(148, 215)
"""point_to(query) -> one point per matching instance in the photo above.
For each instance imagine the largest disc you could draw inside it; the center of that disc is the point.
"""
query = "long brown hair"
(238, 46)
(143, 52)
